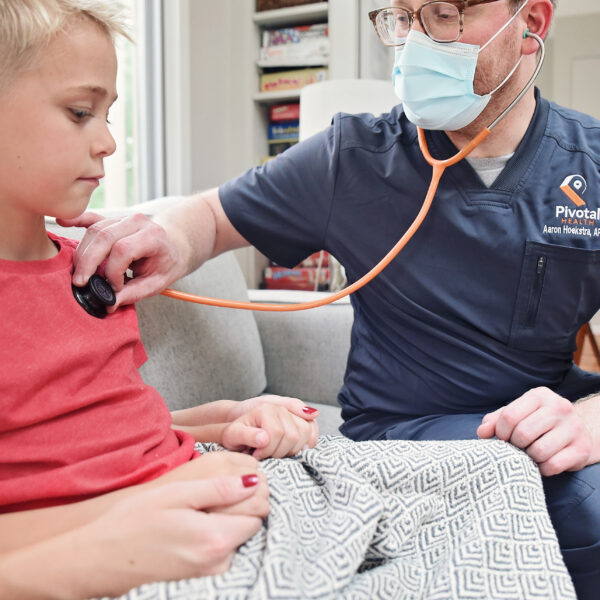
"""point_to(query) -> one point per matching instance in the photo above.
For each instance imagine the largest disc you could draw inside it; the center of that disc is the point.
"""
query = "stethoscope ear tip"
(526, 34)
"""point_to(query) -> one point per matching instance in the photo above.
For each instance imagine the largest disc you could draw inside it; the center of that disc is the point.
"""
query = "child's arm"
(270, 425)
(25, 528)
(155, 535)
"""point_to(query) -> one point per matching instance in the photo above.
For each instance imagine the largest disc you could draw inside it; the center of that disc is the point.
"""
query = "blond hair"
(27, 26)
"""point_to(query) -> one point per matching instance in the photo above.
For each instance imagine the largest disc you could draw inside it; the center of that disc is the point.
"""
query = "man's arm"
(158, 251)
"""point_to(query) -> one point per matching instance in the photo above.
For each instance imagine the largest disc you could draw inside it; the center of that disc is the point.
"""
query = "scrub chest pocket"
(559, 290)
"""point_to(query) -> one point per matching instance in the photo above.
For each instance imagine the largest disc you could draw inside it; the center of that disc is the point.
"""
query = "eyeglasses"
(441, 21)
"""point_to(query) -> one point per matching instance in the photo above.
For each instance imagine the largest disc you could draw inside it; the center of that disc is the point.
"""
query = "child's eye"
(80, 113)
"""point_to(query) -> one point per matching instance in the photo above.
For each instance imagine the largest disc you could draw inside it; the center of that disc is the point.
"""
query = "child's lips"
(95, 180)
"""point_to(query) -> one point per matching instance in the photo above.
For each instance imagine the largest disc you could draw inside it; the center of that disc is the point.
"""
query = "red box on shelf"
(284, 112)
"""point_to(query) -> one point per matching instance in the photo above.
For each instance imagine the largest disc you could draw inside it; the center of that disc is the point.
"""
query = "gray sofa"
(200, 353)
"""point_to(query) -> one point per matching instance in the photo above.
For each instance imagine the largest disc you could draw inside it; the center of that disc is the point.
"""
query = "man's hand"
(547, 426)
(272, 426)
(133, 242)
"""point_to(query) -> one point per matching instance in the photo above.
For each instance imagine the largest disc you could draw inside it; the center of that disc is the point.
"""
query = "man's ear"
(538, 18)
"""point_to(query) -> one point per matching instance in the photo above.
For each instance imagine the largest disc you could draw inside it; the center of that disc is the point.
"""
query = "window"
(135, 172)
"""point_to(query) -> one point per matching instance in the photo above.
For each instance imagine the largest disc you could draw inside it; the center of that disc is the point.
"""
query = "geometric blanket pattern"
(394, 519)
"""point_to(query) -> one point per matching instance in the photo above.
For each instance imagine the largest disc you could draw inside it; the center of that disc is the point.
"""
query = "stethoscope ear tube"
(538, 68)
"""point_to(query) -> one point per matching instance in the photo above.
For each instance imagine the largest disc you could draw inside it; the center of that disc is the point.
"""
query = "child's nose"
(104, 144)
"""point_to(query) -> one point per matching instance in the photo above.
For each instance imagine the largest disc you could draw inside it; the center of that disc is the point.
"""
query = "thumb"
(84, 220)
(240, 435)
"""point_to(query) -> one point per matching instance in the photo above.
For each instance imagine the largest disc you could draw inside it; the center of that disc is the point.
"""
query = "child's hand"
(271, 426)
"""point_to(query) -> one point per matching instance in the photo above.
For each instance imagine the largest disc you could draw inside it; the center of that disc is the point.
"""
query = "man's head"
(28, 26)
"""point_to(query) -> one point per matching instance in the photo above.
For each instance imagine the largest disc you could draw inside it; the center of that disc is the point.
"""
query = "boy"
(80, 431)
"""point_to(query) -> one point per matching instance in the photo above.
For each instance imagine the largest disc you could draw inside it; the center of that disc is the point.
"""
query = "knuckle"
(509, 416)
(521, 436)
(553, 466)
(223, 488)
(564, 406)
(139, 219)
(223, 546)
(96, 228)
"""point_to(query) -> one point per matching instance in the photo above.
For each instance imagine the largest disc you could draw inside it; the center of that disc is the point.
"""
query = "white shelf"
(293, 64)
(294, 14)
(272, 97)
(291, 296)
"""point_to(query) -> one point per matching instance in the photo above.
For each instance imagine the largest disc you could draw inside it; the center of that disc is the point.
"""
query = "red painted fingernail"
(309, 411)
(250, 480)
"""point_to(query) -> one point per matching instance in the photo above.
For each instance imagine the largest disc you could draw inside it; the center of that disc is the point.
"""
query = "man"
(470, 331)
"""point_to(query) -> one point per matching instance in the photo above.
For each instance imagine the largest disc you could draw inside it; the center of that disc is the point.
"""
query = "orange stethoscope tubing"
(439, 166)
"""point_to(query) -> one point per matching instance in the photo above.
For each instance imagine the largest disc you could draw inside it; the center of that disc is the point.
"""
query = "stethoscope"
(97, 294)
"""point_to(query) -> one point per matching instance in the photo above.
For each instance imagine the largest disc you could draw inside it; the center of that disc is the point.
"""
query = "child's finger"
(238, 435)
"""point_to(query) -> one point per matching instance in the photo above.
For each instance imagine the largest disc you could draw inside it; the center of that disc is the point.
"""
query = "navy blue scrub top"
(484, 303)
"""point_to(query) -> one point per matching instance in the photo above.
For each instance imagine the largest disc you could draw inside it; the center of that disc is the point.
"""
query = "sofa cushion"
(306, 351)
(201, 353)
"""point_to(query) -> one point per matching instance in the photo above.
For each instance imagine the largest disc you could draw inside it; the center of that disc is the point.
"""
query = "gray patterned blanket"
(386, 520)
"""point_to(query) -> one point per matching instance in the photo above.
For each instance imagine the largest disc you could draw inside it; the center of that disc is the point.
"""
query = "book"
(284, 132)
(281, 278)
(284, 112)
(291, 80)
(309, 43)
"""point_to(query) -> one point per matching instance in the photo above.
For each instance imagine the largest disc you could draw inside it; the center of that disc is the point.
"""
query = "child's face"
(54, 134)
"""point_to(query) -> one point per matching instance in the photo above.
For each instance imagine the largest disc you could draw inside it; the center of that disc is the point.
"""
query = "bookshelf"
(217, 121)
(302, 14)
(342, 17)
(305, 14)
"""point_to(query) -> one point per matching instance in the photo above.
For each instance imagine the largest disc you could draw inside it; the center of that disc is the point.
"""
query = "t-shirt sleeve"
(282, 208)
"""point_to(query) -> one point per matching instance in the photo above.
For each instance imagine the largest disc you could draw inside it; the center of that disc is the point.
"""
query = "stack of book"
(280, 81)
(289, 48)
(284, 126)
(295, 46)
(309, 275)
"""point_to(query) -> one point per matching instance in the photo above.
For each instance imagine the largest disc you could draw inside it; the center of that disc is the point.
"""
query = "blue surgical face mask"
(434, 81)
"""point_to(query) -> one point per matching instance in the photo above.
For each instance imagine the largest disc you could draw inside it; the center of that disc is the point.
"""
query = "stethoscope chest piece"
(95, 296)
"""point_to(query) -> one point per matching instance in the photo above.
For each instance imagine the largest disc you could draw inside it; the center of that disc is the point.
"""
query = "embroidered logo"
(578, 220)
(574, 187)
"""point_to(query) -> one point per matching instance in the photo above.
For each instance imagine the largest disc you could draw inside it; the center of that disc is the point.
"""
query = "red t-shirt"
(76, 418)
